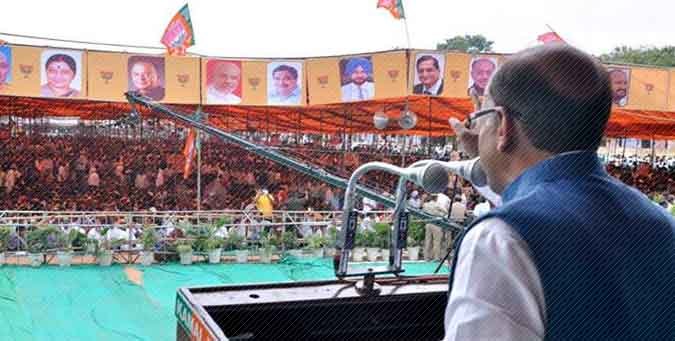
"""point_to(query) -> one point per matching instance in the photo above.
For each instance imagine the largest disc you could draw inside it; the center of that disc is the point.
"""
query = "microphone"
(471, 171)
(432, 177)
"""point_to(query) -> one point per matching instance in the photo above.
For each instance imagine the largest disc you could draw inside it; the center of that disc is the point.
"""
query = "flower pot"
(214, 256)
(266, 256)
(186, 258)
(373, 253)
(147, 257)
(329, 251)
(242, 256)
(413, 252)
(2, 258)
(36, 259)
(65, 257)
(297, 253)
(91, 249)
(105, 258)
(358, 253)
(318, 253)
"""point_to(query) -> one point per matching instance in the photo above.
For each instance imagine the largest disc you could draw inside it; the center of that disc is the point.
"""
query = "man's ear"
(507, 133)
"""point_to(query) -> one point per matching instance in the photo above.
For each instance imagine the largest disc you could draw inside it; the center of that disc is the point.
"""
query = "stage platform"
(87, 302)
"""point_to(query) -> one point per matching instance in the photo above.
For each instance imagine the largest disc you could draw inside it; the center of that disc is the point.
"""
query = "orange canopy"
(432, 116)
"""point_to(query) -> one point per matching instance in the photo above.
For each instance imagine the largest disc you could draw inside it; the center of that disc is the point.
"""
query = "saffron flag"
(395, 7)
(550, 37)
(179, 35)
(189, 151)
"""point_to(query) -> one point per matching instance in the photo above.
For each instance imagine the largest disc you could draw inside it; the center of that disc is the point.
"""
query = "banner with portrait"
(145, 75)
(105, 76)
(5, 67)
(285, 83)
(428, 73)
(223, 82)
(62, 73)
(481, 69)
(357, 82)
(620, 79)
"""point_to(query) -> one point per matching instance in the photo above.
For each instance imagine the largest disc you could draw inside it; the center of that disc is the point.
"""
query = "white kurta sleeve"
(497, 293)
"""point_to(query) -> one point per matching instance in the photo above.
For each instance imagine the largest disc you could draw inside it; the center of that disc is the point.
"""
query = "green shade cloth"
(87, 302)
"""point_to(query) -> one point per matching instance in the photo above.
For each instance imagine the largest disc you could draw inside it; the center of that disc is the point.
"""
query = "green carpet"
(87, 302)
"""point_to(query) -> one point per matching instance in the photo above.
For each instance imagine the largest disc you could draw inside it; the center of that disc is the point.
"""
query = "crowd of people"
(112, 173)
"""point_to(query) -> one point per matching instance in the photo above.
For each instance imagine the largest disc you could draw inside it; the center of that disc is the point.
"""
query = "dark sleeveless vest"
(604, 252)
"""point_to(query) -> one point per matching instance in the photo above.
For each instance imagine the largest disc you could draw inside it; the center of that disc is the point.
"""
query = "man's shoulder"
(418, 88)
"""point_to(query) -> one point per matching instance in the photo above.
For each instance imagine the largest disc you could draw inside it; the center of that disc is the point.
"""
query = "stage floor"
(87, 302)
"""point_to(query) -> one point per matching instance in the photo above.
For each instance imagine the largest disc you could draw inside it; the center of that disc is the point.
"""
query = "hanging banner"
(223, 82)
(324, 80)
(182, 80)
(62, 73)
(648, 88)
(285, 83)
(390, 72)
(107, 76)
(429, 71)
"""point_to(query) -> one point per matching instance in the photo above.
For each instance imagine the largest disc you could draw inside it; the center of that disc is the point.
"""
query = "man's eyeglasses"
(470, 122)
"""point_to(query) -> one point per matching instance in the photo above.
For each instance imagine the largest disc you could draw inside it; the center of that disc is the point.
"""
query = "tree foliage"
(467, 43)
(656, 56)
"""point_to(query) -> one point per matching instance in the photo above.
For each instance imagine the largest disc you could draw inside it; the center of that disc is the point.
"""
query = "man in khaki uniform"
(433, 237)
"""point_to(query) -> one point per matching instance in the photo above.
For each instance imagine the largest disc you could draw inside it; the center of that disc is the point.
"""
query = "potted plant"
(331, 241)
(315, 243)
(214, 247)
(268, 244)
(415, 239)
(184, 250)
(360, 243)
(237, 243)
(40, 240)
(290, 242)
(5, 233)
(382, 238)
(372, 245)
(149, 240)
(104, 252)
(67, 241)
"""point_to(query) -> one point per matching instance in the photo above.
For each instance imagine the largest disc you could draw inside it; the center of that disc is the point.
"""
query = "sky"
(310, 28)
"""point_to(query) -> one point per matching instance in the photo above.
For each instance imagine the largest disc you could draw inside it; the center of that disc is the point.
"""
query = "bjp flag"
(179, 35)
(395, 7)
(550, 37)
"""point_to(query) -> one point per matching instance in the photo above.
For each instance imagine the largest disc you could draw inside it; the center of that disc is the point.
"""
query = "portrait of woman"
(60, 76)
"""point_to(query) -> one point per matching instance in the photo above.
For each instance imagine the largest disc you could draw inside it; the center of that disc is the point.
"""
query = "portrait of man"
(429, 74)
(480, 71)
(620, 78)
(357, 79)
(146, 75)
(284, 83)
(223, 82)
(5, 66)
(61, 73)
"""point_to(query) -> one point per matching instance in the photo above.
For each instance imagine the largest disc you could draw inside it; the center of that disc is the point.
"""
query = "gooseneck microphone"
(431, 176)
(470, 170)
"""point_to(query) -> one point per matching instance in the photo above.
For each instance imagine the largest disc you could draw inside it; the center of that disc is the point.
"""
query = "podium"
(323, 310)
